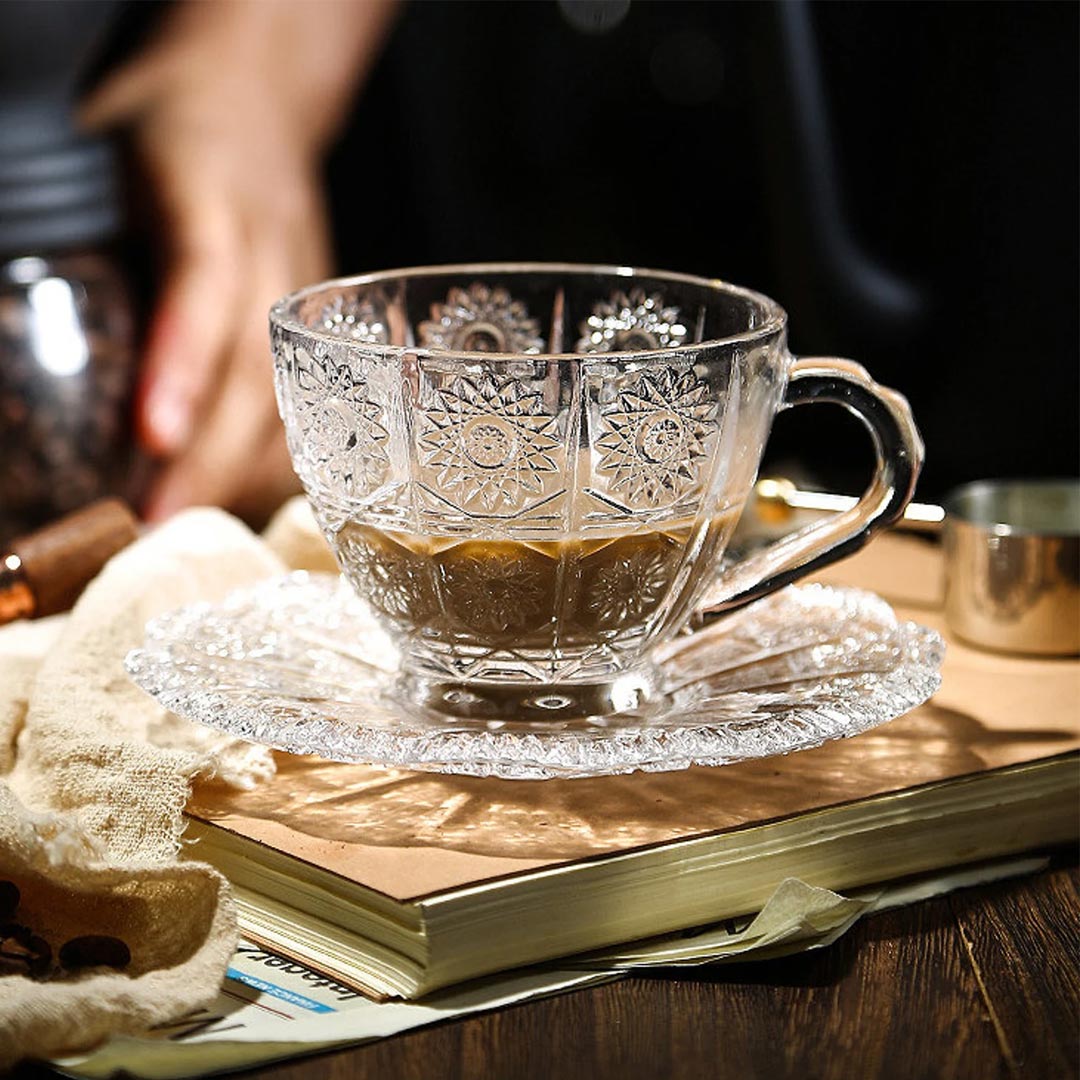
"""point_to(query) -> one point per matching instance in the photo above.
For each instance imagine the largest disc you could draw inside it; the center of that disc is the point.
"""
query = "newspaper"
(271, 1008)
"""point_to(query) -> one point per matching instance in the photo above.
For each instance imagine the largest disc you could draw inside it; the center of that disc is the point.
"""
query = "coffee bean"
(23, 952)
(94, 950)
(65, 436)
(14, 935)
(9, 899)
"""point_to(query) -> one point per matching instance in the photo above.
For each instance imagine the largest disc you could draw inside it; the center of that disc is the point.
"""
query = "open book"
(400, 883)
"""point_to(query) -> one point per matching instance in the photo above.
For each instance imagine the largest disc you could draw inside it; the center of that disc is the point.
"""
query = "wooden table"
(980, 984)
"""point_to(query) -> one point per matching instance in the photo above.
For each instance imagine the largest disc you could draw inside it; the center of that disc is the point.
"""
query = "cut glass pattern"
(653, 436)
(343, 433)
(355, 317)
(399, 587)
(627, 590)
(298, 663)
(497, 595)
(481, 319)
(490, 438)
(636, 321)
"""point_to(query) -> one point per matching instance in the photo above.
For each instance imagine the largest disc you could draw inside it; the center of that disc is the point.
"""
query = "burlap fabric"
(93, 780)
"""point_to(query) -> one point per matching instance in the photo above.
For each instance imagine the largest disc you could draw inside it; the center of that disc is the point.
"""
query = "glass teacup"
(531, 472)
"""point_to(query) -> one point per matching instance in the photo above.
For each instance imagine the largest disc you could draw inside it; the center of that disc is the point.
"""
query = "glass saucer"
(299, 664)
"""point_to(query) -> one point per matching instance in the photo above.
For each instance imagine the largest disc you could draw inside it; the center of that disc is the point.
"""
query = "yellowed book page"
(409, 835)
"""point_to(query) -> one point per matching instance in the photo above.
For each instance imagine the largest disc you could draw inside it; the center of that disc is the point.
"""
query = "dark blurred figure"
(901, 177)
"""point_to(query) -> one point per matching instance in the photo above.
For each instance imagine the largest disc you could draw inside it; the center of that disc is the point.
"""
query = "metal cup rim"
(975, 504)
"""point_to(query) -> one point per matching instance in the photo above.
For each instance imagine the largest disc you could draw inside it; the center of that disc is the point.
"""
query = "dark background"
(901, 177)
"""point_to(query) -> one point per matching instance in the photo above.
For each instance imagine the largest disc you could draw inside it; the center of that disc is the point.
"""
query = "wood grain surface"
(981, 984)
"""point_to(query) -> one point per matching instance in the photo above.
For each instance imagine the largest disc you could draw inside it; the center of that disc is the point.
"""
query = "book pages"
(270, 1008)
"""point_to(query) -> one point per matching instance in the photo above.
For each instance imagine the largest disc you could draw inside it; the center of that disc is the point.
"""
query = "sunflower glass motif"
(395, 580)
(481, 319)
(356, 317)
(625, 591)
(654, 436)
(635, 321)
(347, 441)
(490, 439)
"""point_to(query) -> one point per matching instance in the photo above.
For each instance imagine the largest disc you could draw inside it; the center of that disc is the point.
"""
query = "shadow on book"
(568, 819)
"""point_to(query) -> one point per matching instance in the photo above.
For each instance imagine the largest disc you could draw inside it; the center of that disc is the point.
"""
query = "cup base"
(638, 692)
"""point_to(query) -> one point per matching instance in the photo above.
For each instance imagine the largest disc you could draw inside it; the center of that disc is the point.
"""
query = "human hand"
(231, 155)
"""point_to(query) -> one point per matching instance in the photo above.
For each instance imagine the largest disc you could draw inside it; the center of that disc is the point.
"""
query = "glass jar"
(67, 368)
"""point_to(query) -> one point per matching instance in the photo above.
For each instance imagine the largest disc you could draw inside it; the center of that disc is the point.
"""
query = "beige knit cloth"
(93, 779)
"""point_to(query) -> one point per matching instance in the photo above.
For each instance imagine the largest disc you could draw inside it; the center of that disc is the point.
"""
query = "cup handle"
(899, 450)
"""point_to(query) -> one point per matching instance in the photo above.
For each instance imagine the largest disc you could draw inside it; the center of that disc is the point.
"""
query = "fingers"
(239, 427)
(239, 240)
(230, 439)
(122, 94)
(190, 328)
(225, 454)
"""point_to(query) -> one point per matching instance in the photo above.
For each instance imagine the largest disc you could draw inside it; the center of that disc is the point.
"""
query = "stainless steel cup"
(1012, 555)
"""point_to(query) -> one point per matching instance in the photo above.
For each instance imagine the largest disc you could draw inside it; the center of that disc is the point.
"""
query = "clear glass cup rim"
(773, 315)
